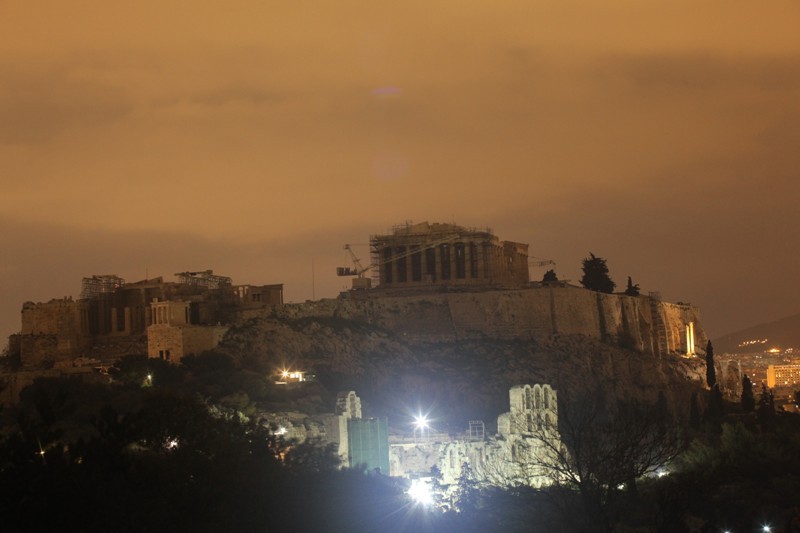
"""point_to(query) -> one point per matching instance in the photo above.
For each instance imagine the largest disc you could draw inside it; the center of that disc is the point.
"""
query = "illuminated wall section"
(690, 339)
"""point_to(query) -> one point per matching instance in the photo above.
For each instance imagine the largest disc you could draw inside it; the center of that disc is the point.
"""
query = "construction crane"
(537, 262)
(358, 270)
(549, 276)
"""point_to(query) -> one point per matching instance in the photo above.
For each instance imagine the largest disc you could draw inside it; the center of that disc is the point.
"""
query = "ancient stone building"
(172, 336)
(510, 458)
(348, 407)
(330, 428)
(53, 330)
(112, 317)
(418, 255)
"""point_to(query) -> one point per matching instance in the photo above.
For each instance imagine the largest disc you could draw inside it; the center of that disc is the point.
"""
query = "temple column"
(438, 263)
(453, 261)
(394, 268)
(468, 260)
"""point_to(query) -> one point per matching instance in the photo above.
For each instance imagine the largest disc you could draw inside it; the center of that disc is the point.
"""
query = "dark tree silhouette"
(632, 289)
(711, 373)
(550, 276)
(602, 444)
(466, 490)
(765, 413)
(716, 407)
(595, 275)
(748, 400)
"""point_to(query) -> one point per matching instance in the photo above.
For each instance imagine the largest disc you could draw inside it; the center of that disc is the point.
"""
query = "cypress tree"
(595, 275)
(550, 276)
(748, 400)
(711, 373)
(716, 407)
(632, 289)
(765, 414)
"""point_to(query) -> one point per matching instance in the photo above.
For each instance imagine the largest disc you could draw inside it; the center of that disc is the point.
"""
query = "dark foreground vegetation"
(177, 452)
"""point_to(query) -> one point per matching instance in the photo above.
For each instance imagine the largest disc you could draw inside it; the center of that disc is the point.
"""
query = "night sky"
(256, 137)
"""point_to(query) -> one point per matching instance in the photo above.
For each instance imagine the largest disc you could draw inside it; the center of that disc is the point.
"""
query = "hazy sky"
(255, 136)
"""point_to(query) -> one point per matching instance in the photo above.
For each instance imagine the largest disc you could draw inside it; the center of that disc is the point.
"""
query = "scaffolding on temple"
(97, 285)
(206, 279)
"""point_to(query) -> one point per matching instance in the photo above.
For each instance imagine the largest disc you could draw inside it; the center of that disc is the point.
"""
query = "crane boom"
(359, 270)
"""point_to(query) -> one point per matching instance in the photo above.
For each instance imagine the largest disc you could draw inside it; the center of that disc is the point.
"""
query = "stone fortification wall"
(53, 330)
(539, 313)
(172, 343)
(56, 317)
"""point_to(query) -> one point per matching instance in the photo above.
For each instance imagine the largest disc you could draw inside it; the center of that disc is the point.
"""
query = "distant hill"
(783, 333)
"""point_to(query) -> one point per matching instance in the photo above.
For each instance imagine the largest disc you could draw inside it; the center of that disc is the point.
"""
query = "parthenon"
(414, 255)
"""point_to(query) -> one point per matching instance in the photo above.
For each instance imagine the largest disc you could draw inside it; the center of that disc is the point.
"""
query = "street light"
(420, 424)
(420, 492)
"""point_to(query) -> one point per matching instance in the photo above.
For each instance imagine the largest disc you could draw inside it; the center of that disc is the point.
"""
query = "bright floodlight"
(420, 492)
(766, 529)
(421, 422)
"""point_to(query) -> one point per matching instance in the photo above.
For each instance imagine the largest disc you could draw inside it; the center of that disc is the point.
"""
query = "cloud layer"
(194, 135)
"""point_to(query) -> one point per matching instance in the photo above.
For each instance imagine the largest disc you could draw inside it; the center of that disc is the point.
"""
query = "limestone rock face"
(641, 323)
(459, 353)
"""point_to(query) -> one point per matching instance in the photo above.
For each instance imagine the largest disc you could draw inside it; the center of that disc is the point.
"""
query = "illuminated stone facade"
(510, 458)
(419, 255)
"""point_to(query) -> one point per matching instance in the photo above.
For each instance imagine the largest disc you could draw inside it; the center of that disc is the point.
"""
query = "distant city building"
(783, 376)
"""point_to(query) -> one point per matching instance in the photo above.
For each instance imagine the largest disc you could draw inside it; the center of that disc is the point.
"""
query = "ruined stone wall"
(198, 339)
(164, 342)
(181, 341)
(53, 330)
(111, 325)
(409, 459)
(61, 316)
(538, 313)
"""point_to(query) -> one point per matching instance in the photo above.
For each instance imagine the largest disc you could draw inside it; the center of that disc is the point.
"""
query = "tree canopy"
(632, 289)
(550, 276)
(595, 275)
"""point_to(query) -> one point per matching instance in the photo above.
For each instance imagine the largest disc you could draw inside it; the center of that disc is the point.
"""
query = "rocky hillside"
(456, 380)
